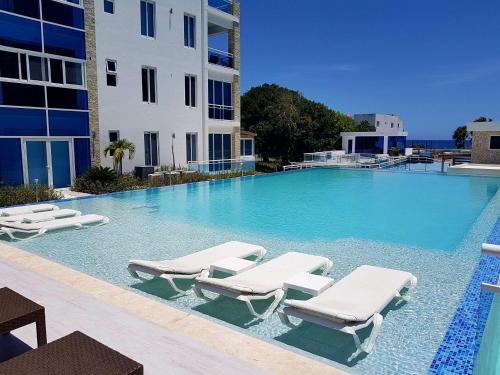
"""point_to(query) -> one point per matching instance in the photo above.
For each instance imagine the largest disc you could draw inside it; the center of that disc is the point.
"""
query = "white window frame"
(149, 69)
(45, 60)
(147, 23)
(253, 145)
(111, 72)
(190, 77)
(109, 140)
(150, 148)
(189, 31)
(193, 146)
(112, 3)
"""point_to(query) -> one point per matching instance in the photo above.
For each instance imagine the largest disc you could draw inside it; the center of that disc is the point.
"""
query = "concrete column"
(234, 49)
(91, 69)
(236, 137)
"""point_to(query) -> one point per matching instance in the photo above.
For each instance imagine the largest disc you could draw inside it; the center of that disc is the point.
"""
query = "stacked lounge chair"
(354, 303)
(264, 281)
(28, 209)
(34, 220)
(194, 265)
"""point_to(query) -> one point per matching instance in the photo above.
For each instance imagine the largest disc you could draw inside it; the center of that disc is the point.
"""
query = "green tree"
(117, 150)
(365, 126)
(482, 119)
(460, 136)
(288, 125)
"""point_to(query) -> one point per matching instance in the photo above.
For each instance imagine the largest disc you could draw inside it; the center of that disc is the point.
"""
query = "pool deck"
(163, 339)
(475, 169)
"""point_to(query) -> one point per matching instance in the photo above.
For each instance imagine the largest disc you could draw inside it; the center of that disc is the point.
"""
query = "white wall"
(121, 108)
(384, 122)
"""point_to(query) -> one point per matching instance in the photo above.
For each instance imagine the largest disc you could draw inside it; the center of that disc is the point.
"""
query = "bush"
(14, 195)
(268, 166)
(128, 181)
(103, 175)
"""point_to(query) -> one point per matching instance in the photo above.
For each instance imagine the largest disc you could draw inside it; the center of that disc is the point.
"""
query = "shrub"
(103, 175)
(14, 195)
(268, 166)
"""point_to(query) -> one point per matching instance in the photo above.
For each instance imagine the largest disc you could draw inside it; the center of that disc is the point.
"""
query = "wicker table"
(73, 354)
(17, 311)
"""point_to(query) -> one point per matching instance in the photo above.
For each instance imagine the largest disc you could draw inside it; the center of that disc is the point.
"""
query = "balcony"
(218, 57)
(220, 112)
(225, 6)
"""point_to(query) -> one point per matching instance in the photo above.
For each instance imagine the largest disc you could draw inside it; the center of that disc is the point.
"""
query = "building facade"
(485, 142)
(167, 80)
(44, 119)
(389, 135)
(76, 75)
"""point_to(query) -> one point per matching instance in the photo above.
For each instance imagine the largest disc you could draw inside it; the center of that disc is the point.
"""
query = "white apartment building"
(389, 134)
(388, 124)
(159, 82)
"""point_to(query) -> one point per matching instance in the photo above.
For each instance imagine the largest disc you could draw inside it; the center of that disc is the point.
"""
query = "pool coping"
(261, 354)
(457, 353)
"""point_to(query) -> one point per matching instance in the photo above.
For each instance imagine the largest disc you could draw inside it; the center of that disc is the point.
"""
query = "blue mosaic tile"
(461, 343)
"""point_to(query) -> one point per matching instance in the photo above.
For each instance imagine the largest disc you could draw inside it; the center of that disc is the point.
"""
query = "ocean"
(435, 144)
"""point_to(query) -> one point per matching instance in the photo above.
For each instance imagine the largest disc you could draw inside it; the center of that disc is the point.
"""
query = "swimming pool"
(429, 224)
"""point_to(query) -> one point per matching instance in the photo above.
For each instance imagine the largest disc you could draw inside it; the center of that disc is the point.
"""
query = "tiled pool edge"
(246, 348)
(458, 351)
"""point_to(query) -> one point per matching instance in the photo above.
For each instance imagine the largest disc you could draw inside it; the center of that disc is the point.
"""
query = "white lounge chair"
(29, 209)
(37, 229)
(354, 303)
(193, 265)
(39, 216)
(264, 281)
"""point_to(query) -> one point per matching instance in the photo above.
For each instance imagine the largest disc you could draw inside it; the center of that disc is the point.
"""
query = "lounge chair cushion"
(56, 224)
(21, 210)
(358, 296)
(271, 275)
(201, 260)
(39, 216)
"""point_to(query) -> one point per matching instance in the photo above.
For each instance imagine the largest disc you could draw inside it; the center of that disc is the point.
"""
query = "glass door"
(61, 164)
(38, 168)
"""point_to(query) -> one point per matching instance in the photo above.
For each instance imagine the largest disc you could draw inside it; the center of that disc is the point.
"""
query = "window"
(56, 71)
(28, 8)
(62, 14)
(9, 65)
(189, 31)
(149, 85)
(220, 100)
(190, 90)
(495, 142)
(114, 135)
(38, 68)
(23, 95)
(392, 125)
(151, 148)
(191, 147)
(74, 73)
(246, 146)
(147, 18)
(109, 6)
(111, 74)
(219, 148)
(378, 123)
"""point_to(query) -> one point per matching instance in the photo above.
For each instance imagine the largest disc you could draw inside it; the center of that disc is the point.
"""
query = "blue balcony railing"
(223, 5)
(220, 58)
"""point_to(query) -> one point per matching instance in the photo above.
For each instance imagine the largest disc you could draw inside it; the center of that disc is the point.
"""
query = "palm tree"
(117, 150)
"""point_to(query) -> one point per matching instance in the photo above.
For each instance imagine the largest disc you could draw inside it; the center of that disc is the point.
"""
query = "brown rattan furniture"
(17, 311)
(73, 354)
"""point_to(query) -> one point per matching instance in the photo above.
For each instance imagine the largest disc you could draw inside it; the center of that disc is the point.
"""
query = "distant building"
(389, 133)
(485, 142)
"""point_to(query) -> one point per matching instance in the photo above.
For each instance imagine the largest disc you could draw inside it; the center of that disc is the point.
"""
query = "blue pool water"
(429, 224)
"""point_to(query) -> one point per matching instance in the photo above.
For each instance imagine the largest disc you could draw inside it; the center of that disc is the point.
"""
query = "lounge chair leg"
(171, 282)
(367, 346)
(198, 291)
(278, 296)
(133, 272)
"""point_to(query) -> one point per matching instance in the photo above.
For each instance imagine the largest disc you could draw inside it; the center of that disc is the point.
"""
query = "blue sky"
(434, 62)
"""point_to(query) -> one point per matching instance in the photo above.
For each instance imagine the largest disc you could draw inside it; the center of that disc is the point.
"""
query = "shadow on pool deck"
(160, 288)
(11, 346)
